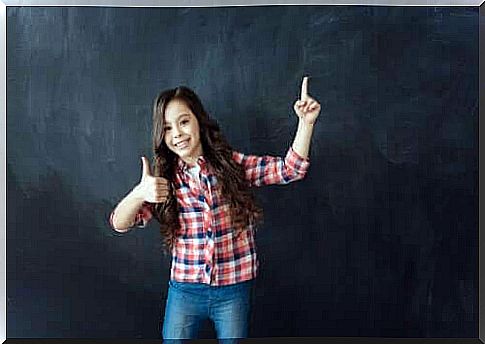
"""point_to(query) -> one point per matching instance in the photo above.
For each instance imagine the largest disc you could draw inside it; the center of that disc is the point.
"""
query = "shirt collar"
(183, 166)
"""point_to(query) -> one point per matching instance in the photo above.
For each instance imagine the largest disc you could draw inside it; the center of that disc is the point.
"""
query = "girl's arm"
(127, 212)
(265, 170)
(303, 136)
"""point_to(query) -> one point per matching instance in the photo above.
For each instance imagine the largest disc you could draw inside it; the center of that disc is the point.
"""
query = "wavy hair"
(218, 153)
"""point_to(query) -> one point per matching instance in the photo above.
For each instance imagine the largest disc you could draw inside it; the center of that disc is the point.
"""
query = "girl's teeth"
(182, 144)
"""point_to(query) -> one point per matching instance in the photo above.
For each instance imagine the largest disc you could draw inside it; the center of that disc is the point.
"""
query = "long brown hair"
(217, 151)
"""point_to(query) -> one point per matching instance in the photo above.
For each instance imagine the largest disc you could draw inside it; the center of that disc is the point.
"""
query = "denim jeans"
(188, 304)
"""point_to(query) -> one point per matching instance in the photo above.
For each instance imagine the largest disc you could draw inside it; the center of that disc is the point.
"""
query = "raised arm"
(264, 170)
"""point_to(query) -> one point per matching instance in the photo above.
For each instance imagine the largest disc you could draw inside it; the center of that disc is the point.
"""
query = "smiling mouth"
(182, 144)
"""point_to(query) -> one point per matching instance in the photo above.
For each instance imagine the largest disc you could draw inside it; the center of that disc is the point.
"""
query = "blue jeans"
(188, 304)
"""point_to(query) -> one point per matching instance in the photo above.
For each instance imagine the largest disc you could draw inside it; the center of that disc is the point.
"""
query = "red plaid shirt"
(206, 249)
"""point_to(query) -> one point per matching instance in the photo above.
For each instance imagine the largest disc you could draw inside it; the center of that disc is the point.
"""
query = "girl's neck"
(190, 161)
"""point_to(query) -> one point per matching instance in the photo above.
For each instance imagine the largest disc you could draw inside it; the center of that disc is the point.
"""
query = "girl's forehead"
(175, 109)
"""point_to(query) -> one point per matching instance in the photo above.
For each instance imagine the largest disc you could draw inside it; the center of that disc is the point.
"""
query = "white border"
(130, 3)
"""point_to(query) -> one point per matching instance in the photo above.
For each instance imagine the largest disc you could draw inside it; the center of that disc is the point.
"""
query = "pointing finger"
(304, 89)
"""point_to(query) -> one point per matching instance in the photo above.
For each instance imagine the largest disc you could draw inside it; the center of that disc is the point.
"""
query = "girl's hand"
(152, 189)
(306, 108)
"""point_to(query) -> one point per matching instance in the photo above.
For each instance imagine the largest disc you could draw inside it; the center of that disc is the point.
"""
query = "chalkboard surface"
(380, 238)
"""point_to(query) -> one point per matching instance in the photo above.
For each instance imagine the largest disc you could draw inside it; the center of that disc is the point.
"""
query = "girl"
(199, 192)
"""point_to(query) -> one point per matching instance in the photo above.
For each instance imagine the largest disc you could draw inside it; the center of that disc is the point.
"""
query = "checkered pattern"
(206, 249)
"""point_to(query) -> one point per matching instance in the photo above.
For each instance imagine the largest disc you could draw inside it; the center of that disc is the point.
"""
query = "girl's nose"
(176, 132)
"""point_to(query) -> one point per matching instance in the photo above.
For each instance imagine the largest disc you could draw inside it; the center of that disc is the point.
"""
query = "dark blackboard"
(380, 239)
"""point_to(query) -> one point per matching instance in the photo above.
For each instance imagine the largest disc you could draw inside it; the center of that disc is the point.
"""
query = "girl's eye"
(167, 128)
(184, 122)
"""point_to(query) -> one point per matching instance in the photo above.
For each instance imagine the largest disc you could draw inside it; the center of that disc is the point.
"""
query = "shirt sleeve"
(265, 170)
(144, 215)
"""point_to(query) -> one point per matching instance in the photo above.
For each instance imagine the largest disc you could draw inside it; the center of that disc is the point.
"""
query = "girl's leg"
(184, 312)
(229, 310)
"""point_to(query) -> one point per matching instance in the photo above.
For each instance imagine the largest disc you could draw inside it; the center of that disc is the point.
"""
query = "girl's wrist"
(303, 123)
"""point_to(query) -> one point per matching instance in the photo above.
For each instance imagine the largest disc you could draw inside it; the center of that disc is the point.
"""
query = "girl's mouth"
(182, 144)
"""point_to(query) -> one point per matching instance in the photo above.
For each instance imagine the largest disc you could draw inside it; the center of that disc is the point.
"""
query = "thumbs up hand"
(152, 189)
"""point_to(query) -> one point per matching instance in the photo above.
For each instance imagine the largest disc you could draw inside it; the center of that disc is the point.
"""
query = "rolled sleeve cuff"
(296, 162)
(144, 215)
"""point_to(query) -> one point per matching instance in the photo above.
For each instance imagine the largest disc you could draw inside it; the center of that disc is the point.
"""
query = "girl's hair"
(218, 153)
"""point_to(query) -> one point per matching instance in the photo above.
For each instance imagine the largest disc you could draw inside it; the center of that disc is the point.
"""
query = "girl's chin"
(185, 153)
(182, 153)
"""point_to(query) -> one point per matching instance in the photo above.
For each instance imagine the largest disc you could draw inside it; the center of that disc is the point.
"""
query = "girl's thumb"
(146, 167)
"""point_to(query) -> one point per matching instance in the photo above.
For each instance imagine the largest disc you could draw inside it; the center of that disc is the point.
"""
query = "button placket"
(210, 232)
(209, 252)
(205, 199)
(209, 247)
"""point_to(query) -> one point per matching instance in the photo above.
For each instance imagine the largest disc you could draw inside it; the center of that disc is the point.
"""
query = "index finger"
(304, 88)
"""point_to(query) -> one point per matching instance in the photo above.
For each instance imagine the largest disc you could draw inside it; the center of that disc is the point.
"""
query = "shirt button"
(207, 268)
(209, 233)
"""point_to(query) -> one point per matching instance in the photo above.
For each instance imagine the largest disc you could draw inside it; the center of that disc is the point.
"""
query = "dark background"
(380, 239)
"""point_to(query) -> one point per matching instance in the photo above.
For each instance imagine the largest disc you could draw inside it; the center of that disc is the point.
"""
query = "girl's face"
(181, 131)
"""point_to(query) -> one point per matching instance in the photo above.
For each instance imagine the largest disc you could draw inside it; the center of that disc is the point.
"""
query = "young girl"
(199, 192)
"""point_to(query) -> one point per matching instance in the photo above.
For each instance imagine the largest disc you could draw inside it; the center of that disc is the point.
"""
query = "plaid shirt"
(206, 249)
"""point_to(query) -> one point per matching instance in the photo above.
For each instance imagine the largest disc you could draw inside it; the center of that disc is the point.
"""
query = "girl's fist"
(152, 189)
